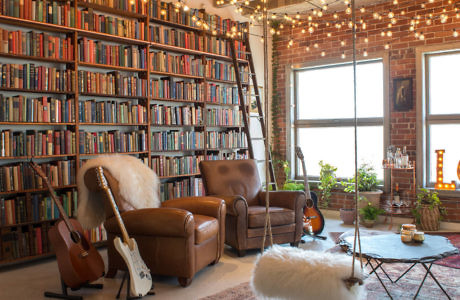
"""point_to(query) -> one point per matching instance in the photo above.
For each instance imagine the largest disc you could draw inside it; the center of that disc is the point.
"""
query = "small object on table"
(406, 236)
(419, 236)
(410, 227)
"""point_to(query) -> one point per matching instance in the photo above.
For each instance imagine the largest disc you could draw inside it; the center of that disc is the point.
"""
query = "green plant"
(289, 184)
(327, 181)
(367, 180)
(428, 198)
(370, 212)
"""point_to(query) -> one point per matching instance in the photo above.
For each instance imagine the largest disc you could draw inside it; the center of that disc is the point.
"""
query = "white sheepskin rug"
(294, 273)
(139, 186)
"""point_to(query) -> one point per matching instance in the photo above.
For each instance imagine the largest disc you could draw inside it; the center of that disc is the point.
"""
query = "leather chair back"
(232, 177)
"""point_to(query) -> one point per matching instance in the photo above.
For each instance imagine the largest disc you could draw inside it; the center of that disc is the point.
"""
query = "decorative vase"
(367, 223)
(347, 215)
(372, 197)
(429, 218)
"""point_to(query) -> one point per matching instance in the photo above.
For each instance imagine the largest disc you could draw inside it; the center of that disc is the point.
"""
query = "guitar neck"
(305, 180)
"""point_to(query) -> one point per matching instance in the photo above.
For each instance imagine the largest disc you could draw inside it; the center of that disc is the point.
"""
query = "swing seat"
(294, 273)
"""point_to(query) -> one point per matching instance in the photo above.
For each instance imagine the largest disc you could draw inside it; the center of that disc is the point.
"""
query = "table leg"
(428, 271)
(402, 275)
(374, 270)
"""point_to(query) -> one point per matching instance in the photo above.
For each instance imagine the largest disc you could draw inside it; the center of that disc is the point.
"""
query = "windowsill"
(446, 193)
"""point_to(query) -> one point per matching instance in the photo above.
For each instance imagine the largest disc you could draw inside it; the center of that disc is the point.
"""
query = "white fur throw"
(293, 273)
(139, 186)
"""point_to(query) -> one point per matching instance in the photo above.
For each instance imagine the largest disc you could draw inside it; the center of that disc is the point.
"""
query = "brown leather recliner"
(178, 239)
(238, 183)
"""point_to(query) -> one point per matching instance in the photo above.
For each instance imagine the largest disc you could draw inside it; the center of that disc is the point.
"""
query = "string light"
(365, 53)
(343, 55)
(454, 33)
(323, 53)
(387, 46)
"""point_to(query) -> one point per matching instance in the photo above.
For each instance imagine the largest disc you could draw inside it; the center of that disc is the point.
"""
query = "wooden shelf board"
(37, 58)
(28, 223)
(221, 104)
(37, 156)
(35, 91)
(175, 75)
(178, 176)
(113, 124)
(111, 10)
(35, 24)
(176, 100)
(38, 123)
(112, 96)
(102, 66)
(110, 37)
(38, 190)
(225, 126)
(6, 263)
(220, 149)
(94, 154)
(175, 25)
(179, 126)
(185, 150)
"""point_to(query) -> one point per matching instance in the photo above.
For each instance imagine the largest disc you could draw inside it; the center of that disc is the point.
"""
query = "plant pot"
(347, 215)
(429, 218)
(372, 197)
(367, 223)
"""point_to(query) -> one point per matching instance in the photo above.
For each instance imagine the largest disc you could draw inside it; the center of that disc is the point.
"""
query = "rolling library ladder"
(259, 115)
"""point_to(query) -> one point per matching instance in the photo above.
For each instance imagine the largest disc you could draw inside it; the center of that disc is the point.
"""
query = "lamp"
(440, 184)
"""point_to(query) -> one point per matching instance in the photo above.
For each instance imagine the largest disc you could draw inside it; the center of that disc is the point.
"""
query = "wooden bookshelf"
(147, 101)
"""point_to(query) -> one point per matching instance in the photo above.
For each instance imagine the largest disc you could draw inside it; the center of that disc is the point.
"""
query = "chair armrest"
(236, 205)
(154, 221)
(208, 206)
(287, 199)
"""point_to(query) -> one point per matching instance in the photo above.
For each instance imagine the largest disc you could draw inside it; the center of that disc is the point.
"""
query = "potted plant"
(369, 214)
(327, 181)
(428, 210)
(367, 185)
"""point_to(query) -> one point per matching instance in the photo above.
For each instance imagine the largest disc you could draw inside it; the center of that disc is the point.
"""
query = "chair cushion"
(278, 216)
(205, 228)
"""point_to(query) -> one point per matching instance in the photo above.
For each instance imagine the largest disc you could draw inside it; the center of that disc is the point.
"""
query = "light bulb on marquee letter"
(440, 185)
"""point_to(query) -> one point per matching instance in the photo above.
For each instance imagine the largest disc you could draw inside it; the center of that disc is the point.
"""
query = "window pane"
(444, 72)
(441, 138)
(327, 93)
(335, 145)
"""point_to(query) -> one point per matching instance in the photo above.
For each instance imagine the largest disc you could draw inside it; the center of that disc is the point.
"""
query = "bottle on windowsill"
(396, 196)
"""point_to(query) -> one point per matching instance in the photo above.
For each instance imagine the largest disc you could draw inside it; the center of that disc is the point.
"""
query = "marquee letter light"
(440, 185)
(458, 170)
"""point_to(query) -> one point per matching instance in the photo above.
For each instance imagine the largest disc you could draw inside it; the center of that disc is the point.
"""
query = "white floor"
(31, 280)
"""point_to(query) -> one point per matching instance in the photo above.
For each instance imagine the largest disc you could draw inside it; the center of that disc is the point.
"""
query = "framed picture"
(253, 105)
(402, 94)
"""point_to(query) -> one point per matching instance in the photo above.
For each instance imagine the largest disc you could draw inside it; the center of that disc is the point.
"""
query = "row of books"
(176, 115)
(228, 155)
(183, 188)
(19, 210)
(24, 241)
(168, 11)
(52, 12)
(127, 112)
(225, 71)
(134, 6)
(20, 177)
(29, 76)
(112, 141)
(37, 44)
(222, 94)
(37, 143)
(172, 166)
(111, 83)
(177, 140)
(43, 109)
(91, 51)
(224, 116)
(179, 90)
(226, 139)
(89, 20)
(184, 64)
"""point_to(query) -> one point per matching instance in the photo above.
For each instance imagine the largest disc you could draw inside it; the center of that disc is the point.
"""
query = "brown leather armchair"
(238, 183)
(178, 239)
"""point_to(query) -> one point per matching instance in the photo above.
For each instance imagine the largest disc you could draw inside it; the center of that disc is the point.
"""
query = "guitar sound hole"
(310, 203)
(75, 236)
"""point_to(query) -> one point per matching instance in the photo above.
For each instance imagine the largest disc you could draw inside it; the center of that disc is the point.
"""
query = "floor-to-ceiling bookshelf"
(116, 99)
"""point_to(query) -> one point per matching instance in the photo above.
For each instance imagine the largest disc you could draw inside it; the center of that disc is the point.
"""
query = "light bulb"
(428, 22)
(422, 36)
(325, 7)
(362, 9)
(346, 2)
(281, 26)
(389, 33)
(382, 34)
(342, 43)
(393, 21)
(307, 48)
(273, 16)
(272, 31)
(297, 16)
(316, 45)
(454, 33)
(387, 46)
(391, 15)
(365, 53)
(343, 55)
(311, 29)
(416, 34)
(329, 34)
(336, 16)
(246, 2)
(395, 2)
(348, 10)
(366, 40)
(422, 5)
(375, 15)
(323, 53)
(214, 32)
(320, 13)
(261, 40)
(303, 30)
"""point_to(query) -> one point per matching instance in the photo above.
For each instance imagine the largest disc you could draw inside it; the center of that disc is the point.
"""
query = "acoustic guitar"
(141, 281)
(312, 215)
(78, 261)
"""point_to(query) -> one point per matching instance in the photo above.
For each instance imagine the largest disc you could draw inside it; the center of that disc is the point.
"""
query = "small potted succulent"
(428, 210)
(369, 214)
(367, 185)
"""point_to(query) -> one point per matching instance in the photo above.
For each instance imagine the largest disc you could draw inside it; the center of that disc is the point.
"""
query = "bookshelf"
(168, 102)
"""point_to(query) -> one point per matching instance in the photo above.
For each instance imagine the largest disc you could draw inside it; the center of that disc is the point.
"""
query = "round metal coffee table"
(388, 248)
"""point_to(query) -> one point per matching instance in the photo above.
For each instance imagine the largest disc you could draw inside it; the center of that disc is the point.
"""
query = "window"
(441, 114)
(324, 116)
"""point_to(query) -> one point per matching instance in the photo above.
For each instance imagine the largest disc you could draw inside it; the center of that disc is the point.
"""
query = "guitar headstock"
(298, 152)
(101, 180)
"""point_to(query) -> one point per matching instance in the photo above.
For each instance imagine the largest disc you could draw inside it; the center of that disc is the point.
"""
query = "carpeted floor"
(405, 288)
(454, 260)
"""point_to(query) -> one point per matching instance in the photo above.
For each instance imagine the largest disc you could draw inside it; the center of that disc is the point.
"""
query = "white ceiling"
(305, 6)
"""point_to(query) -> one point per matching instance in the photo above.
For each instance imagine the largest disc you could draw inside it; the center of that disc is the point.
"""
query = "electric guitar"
(141, 281)
(78, 261)
(312, 215)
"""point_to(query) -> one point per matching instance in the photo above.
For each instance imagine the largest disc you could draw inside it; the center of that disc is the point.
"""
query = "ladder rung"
(258, 139)
(256, 116)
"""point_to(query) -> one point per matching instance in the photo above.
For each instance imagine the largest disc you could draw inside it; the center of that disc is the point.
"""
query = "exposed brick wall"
(402, 65)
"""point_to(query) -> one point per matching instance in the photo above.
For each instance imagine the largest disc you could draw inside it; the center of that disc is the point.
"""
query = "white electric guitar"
(141, 281)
